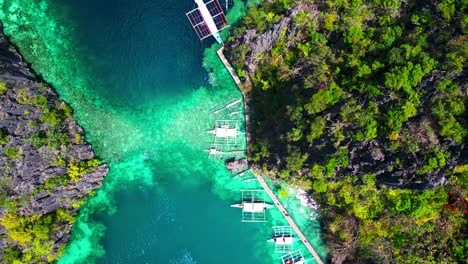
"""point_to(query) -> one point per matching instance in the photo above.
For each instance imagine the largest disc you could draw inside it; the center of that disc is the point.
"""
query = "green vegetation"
(4, 137)
(282, 193)
(34, 233)
(5, 185)
(66, 110)
(42, 87)
(12, 153)
(32, 123)
(52, 139)
(365, 103)
(393, 225)
(52, 184)
(50, 118)
(52, 115)
(25, 98)
(77, 170)
(3, 88)
(78, 139)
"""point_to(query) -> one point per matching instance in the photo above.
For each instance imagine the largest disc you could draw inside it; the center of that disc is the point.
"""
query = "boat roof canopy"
(253, 207)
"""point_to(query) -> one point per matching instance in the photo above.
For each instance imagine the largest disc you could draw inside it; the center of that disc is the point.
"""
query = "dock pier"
(260, 179)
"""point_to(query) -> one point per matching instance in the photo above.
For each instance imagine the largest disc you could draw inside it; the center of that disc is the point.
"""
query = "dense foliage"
(364, 103)
(35, 235)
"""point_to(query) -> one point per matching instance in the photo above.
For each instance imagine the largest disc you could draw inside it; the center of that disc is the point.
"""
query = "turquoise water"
(143, 86)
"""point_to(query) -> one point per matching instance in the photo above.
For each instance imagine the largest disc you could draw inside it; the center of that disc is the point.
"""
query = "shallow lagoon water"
(136, 76)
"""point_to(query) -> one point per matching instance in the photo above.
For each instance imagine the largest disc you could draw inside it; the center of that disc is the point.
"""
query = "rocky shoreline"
(397, 169)
(368, 118)
(47, 167)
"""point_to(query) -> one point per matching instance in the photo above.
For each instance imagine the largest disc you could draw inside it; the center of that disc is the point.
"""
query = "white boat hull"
(209, 20)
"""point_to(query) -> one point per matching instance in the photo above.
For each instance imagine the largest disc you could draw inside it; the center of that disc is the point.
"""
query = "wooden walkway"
(288, 218)
(260, 179)
(244, 95)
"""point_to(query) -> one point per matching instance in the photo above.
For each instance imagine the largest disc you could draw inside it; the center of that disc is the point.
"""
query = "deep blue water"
(139, 49)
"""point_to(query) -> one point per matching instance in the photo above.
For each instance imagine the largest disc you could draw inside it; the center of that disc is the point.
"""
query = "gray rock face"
(259, 43)
(267, 40)
(39, 143)
(264, 42)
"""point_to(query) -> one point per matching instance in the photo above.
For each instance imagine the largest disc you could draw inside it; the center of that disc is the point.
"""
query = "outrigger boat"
(224, 131)
(282, 240)
(298, 260)
(214, 151)
(253, 207)
(208, 19)
(233, 103)
(229, 105)
(293, 258)
(241, 173)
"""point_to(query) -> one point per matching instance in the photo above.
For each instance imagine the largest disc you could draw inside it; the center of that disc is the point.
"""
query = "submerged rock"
(236, 165)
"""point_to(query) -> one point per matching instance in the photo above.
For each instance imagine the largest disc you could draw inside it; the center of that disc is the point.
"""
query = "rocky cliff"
(286, 69)
(363, 103)
(47, 169)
